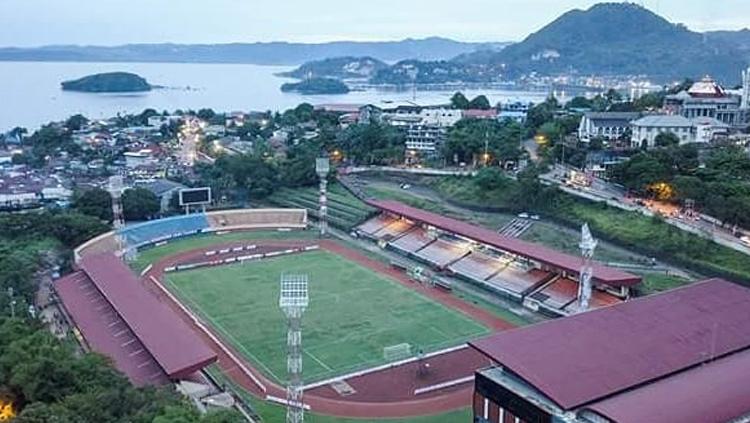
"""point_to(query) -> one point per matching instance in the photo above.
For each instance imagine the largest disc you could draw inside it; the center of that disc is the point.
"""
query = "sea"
(30, 93)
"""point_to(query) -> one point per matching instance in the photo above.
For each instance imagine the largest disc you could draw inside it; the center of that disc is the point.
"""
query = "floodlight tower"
(115, 189)
(587, 245)
(322, 167)
(293, 302)
(746, 89)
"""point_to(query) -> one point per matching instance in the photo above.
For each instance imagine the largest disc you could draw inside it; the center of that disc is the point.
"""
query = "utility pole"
(587, 245)
(12, 302)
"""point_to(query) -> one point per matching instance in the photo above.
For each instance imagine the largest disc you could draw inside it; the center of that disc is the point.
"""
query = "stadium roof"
(548, 256)
(174, 345)
(646, 350)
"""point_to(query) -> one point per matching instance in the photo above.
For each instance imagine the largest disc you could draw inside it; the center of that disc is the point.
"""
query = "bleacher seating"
(372, 226)
(393, 230)
(257, 218)
(558, 294)
(599, 299)
(477, 266)
(442, 253)
(517, 280)
(155, 230)
(412, 241)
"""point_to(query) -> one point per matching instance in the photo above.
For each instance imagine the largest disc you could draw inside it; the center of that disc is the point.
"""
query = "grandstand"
(537, 276)
(679, 356)
(156, 230)
(118, 317)
(257, 219)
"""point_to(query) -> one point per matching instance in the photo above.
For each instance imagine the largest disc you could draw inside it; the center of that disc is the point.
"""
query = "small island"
(314, 86)
(111, 82)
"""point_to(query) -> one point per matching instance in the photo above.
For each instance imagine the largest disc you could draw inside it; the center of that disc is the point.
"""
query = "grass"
(629, 230)
(495, 309)
(275, 413)
(344, 209)
(353, 314)
(658, 282)
(154, 254)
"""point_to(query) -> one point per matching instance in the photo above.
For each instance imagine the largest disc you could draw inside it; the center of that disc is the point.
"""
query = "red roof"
(174, 345)
(584, 358)
(717, 392)
(548, 256)
(105, 332)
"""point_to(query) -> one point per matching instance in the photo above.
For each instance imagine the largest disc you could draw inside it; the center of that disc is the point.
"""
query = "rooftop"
(634, 347)
(542, 254)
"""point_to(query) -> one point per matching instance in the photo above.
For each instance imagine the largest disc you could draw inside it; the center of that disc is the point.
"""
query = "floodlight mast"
(587, 245)
(115, 188)
(293, 301)
(322, 167)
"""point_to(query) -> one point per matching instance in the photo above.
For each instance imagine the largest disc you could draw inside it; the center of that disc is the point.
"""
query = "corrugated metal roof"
(174, 345)
(714, 393)
(548, 256)
(584, 358)
(663, 121)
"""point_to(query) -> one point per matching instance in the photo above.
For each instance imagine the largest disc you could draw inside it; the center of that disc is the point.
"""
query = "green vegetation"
(315, 86)
(658, 282)
(353, 314)
(630, 230)
(34, 241)
(344, 210)
(346, 67)
(48, 380)
(495, 309)
(111, 82)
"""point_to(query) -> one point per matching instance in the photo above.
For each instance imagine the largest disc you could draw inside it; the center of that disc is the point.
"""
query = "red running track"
(382, 394)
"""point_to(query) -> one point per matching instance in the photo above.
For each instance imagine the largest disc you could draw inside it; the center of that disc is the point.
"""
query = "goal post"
(397, 352)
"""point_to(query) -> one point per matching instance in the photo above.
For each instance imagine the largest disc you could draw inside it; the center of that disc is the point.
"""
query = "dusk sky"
(111, 22)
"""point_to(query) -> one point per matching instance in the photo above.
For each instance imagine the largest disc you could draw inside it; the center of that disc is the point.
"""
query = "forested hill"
(619, 38)
(272, 53)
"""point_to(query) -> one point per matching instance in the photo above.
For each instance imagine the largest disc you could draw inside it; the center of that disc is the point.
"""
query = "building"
(609, 126)
(164, 189)
(679, 356)
(514, 111)
(696, 130)
(706, 98)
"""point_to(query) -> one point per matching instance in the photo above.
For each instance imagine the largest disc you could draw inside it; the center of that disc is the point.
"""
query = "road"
(602, 191)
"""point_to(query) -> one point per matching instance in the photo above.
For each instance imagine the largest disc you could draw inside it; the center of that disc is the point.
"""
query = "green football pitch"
(354, 313)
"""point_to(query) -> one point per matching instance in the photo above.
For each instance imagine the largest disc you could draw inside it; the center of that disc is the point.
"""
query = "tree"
(468, 139)
(480, 102)
(666, 139)
(76, 122)
(94, 202)
(459, 101)
(579, 103)
(139, 204)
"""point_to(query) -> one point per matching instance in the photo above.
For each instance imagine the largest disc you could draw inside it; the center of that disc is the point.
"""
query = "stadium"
(196, 298)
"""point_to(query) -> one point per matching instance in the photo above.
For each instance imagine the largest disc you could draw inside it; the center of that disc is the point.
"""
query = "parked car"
(523, 215)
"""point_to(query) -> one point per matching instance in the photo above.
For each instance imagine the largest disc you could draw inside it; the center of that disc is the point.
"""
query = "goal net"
(397, 352)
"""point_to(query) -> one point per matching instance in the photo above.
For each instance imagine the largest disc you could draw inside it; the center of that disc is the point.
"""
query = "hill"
(616, 38)
(340, 68)
(271, 53)
(315, 86)
(112, 82)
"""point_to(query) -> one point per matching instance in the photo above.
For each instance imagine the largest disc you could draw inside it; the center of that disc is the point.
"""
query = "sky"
(28, 23)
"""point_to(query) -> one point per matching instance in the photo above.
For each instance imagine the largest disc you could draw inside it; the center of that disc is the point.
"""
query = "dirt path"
(375, 399)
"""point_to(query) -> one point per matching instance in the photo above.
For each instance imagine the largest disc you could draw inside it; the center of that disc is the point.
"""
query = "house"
(610, 126)
(697, 130)
(164, 189)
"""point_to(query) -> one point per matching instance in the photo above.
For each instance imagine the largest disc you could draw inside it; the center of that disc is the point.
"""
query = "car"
(523, 215)
(405, 186)
(534, 217)
(745, 240)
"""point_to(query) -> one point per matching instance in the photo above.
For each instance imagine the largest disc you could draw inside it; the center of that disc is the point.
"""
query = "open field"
(354, 313)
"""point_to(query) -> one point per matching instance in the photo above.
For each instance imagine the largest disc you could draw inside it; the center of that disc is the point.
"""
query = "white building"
(698, 130)
(606, 125)
(706, 98)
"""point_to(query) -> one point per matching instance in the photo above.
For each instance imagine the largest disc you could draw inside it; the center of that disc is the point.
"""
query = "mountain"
(315, 86)
(272, 53)
(621, 39)
(340, 68)
(738, 39)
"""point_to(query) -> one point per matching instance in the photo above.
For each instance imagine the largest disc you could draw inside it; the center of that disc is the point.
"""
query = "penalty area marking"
(382, 367)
